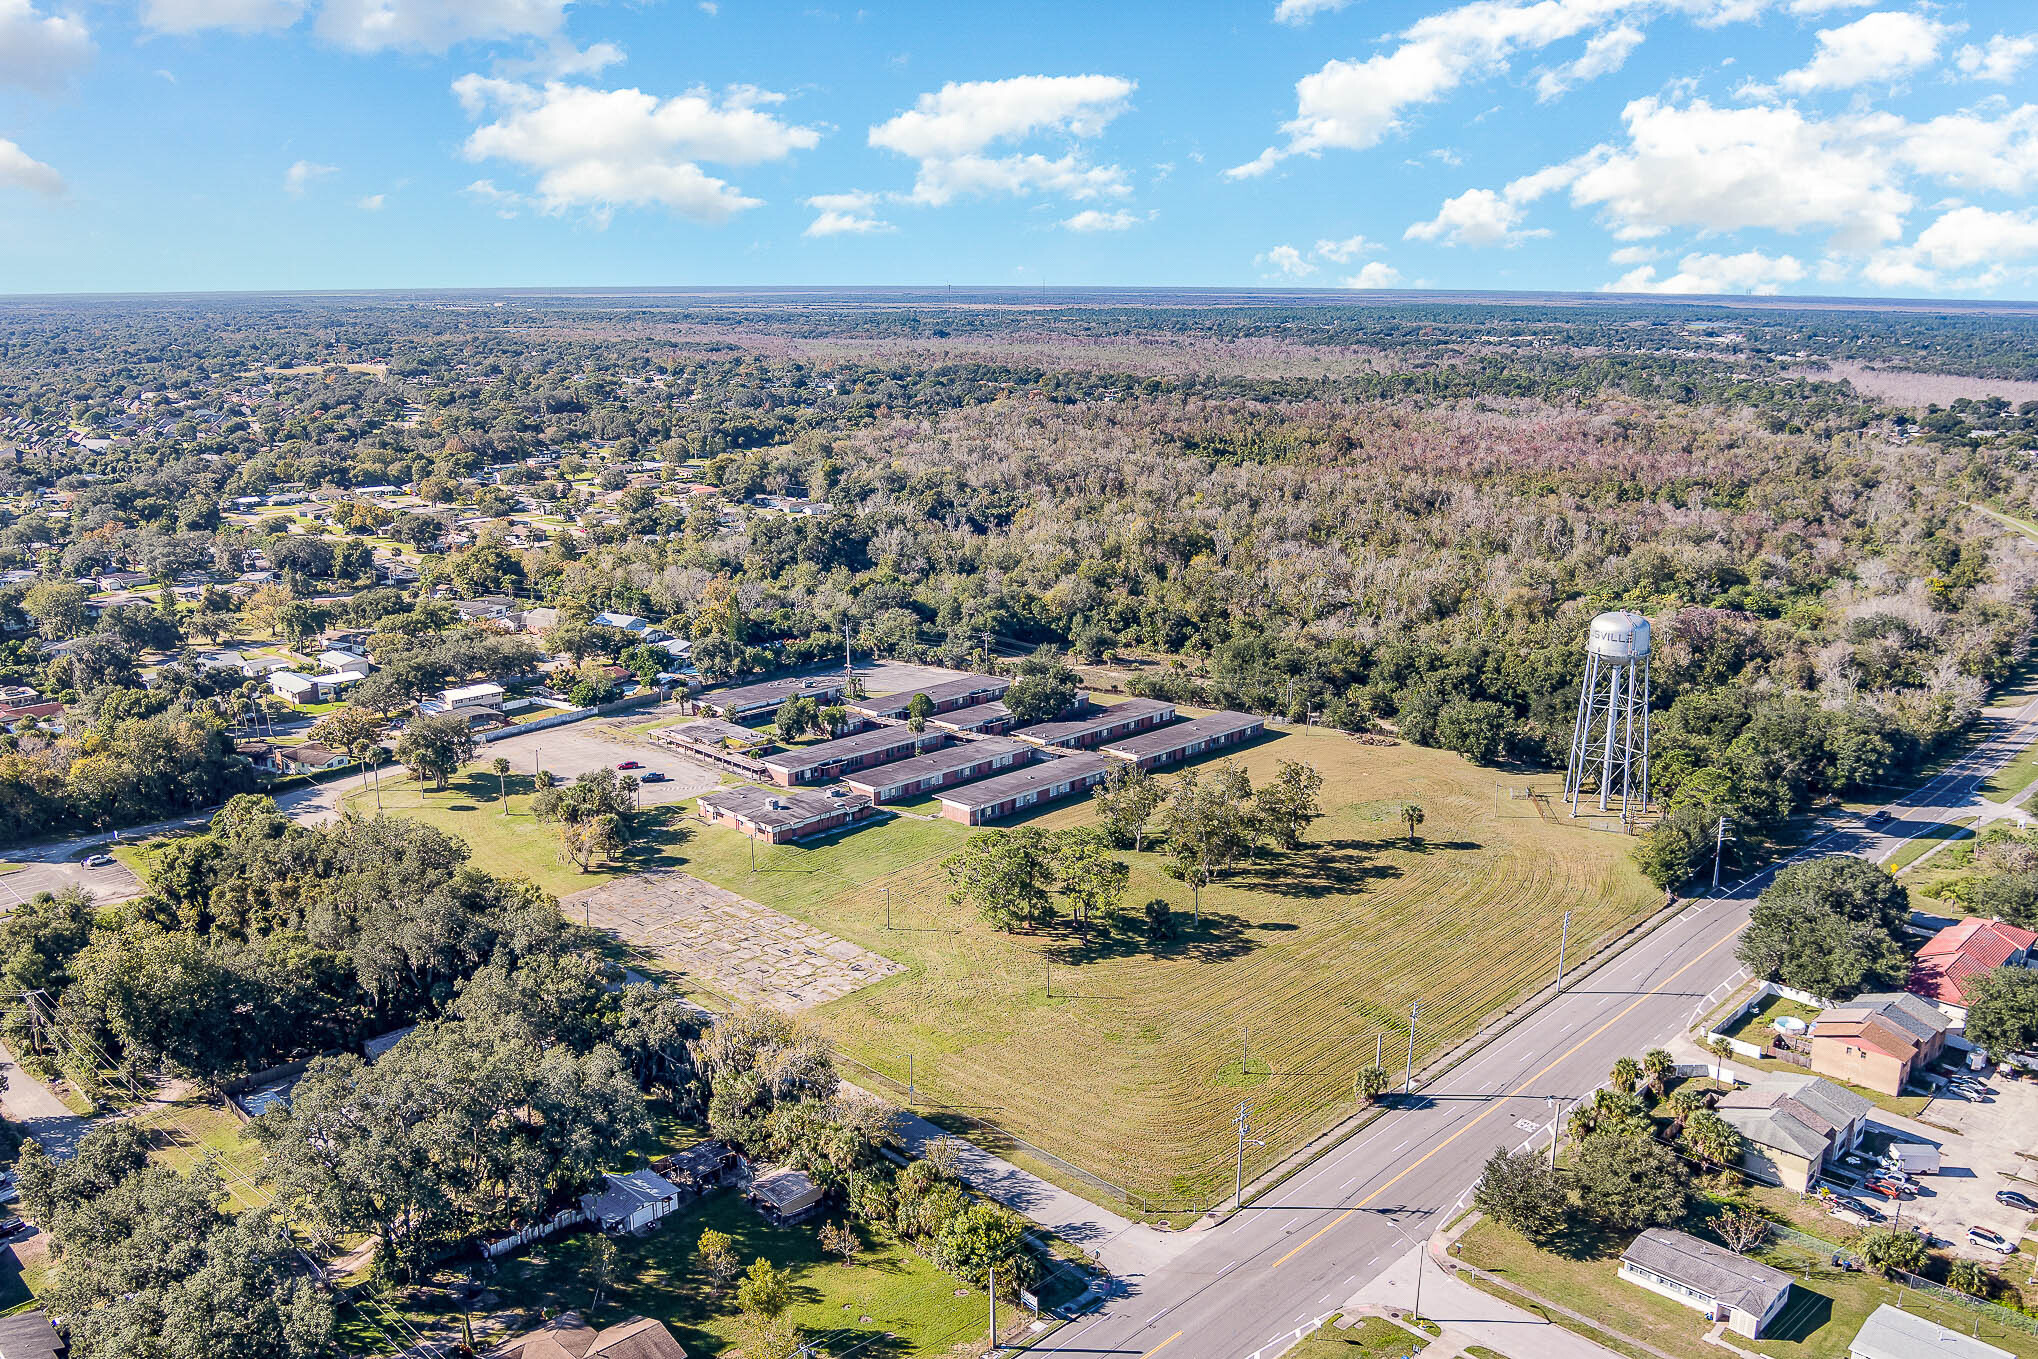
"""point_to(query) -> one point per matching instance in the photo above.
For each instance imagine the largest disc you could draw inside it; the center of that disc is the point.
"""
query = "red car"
(631, 764)
(1888, 1188)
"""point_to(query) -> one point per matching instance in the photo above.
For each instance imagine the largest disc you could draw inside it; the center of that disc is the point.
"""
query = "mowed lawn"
(1133, 1067)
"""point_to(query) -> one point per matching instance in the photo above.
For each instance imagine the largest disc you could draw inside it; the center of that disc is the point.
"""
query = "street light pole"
(1719, 852)
(1563, 946)
(1408, 1079)
(993, 1290)
(1244, 1127)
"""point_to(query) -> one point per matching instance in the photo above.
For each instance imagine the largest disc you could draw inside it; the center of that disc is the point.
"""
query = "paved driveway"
(38, 1113)
(579, 747)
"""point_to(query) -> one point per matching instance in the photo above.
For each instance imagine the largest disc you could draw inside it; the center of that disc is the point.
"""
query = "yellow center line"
(1163, 1345)
(1519, 1089)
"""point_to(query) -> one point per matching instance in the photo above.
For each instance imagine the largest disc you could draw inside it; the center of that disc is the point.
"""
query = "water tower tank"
(1620, 636)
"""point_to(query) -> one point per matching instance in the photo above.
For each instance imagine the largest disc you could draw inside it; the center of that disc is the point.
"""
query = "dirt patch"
(734, 945)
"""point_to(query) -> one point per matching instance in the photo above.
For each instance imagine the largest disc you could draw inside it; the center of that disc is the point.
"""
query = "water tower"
(1610, 744)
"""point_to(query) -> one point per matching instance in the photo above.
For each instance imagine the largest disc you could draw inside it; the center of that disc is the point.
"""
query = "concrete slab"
(740, 948)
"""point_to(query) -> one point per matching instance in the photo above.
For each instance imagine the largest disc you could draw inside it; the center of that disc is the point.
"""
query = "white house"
(628, 622)
(1743, 1293)
(631, 1202)
(254, 667)
(296, 687)
(335, 659)
(467, 696)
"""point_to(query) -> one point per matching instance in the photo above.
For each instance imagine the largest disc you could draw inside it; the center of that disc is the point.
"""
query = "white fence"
(559, 1221)
(1760, 994)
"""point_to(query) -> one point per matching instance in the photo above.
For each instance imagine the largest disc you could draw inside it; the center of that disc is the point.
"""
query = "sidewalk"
(1128, 1249)
(1468, 1316)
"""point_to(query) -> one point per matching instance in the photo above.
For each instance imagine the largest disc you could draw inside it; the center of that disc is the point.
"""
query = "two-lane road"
(1306, 1247)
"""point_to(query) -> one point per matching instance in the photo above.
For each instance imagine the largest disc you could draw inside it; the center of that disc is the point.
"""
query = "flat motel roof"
(847, 747)
(961, 755)
(1161, 740)
(1049, 732)
(936, 693)
(766, 691)
(1018, 782)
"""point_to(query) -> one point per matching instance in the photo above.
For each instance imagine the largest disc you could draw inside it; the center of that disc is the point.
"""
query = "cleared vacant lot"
(1134, 1065)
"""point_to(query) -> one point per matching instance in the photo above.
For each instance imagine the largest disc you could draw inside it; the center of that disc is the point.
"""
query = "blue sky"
(1793, 146)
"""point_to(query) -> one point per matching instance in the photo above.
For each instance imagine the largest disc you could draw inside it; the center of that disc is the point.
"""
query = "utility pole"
(888, 908)
(1379, 1046)
(1563, 944)
(1408, 1080)
(993, 1291)
(1719, 852)
(1244, 1127)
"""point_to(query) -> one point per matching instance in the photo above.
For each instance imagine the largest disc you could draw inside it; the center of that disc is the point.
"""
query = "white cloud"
(1967, 150)
(1095, 219)
(604, 149)
(435, 25)
(506, 202)
(1875, 47)
(1725, 170)
(1965, 239)
(949, 131)
(1999, 59)
(1286, 259)
(240, 16)
(1809, 7)
(1748, 272)
(372, 202)
(38, 50)
(1375, 274)
(1302, 11)
(1474, 217)
(20, 170)
(1629, 255)
(840, 214)
(301, 174)
(1353, 104)
(1346, 250)
(1604, 54)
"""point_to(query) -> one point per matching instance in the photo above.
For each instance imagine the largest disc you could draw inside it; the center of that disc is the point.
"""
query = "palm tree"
(1713, 1138)
(502, 768)
(1411, 813)
(1722, 1049)
(1657, 1065)
(1688, 1100)
(1627, 1074)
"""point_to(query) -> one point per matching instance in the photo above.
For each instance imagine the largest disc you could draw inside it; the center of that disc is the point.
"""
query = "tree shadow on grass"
(1331, 868)
(1220, 937)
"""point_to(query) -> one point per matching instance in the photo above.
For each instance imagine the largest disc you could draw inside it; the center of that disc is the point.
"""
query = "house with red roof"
(1951, 960)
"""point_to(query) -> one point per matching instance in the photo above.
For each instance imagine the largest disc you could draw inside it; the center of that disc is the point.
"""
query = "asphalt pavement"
(1313, 1242)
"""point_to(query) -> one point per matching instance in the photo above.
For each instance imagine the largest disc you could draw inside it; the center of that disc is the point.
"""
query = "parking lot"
(1980, 1155)
(570, 751)
(106, 882)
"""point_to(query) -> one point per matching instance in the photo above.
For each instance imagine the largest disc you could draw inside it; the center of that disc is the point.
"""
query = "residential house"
(1954, 957)
(31, 1335)
(1794, 1127)
(568, 1336)
(255, 667)
(1878, 1042)
(628, 622)
(631, 1202)
(1892, 1333)
(784, 1195)
(466, 696)
(309, 758)
(1744, 1293)
(334, 659)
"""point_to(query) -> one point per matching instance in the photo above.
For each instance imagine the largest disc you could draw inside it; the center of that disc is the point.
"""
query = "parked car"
(1982, 1236)
(11, 1227)
(652, 776)
(2011, 1198)
(631, 764)
(1888, 1188)
(98, 861)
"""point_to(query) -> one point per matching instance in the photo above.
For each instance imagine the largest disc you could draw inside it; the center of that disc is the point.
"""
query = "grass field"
(2012, 779)
(1824, 1314)
(1132, 1068)
(194, 1128)
(1369, 1338)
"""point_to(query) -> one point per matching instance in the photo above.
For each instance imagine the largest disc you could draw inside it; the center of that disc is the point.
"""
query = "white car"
(1982, 1236)
(99, 861)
